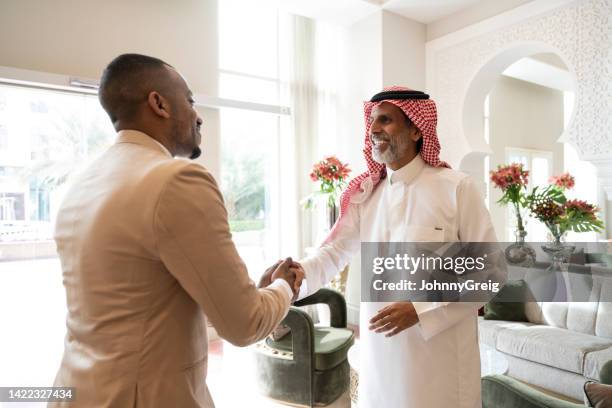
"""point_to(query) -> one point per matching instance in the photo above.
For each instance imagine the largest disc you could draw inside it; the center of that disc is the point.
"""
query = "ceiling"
(346, 12)
(426, 11)
(542, 69)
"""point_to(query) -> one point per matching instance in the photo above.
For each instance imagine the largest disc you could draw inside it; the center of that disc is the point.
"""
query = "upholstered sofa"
(562, 344)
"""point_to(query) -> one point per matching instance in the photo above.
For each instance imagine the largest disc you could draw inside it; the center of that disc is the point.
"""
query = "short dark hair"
(419, 143)
(127, 81)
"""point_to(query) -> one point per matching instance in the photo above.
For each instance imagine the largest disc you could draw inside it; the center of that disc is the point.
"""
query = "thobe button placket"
(396, 211)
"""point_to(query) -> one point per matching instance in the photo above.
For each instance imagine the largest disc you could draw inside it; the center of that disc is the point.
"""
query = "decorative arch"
(462, 66)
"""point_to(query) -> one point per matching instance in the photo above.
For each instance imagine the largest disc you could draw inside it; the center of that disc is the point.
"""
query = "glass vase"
(520, 253)
(332, 214)
(559, 253)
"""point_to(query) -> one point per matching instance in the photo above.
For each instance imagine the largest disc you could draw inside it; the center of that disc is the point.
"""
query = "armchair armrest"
(302, 334)
(335, 301)
(500, 391)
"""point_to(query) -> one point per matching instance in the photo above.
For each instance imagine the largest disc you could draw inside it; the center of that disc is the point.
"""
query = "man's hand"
(284, 270)
(394, 318)
(266, 278)
(299, 271)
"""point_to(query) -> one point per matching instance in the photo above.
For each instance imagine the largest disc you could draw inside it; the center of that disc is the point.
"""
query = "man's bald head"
(146, 94)
(127, 81)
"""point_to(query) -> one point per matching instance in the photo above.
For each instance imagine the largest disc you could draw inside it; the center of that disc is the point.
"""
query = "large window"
(250, 137)
(45, 138)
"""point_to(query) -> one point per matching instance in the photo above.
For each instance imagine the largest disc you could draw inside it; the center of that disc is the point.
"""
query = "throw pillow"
(598, 395)
(509, 303)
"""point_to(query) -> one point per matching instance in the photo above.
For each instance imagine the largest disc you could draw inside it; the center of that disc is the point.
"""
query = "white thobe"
(435, 363)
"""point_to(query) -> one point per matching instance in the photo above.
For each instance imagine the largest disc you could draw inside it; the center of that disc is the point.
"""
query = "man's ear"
(159, 104)
(415, 133)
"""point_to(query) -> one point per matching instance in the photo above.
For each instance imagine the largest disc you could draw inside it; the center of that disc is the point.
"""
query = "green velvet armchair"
(501, 391)
(309, 365)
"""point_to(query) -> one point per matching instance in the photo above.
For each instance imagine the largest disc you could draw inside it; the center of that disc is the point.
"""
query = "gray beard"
(392, 154)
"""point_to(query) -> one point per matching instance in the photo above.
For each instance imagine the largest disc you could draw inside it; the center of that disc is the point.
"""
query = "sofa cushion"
(581, 317)
(551, 346)
(488, 330)
(603, 326)
(555, 314)
(594, 362)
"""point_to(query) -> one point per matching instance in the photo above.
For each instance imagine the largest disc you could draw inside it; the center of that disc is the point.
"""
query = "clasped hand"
(286, 269)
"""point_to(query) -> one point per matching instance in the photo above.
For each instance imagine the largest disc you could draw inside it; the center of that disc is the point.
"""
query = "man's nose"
(374, 128)
(374, 131)
(199, 121)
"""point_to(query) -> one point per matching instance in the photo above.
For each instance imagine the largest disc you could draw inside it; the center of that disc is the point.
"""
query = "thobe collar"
(141, 138)
(407, 173)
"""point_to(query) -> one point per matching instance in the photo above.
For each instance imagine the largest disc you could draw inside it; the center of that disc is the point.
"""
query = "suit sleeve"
(474, 225)
(333, 256)
(195, 245)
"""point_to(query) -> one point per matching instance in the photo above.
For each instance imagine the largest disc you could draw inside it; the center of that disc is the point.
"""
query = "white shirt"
(435, 363)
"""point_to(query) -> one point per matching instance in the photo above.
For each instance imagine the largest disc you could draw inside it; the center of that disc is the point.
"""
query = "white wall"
(363, 78)
(403, 54)
(522, 115)
(78, 38)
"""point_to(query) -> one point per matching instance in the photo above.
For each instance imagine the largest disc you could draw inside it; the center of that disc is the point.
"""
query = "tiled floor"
(231, 379)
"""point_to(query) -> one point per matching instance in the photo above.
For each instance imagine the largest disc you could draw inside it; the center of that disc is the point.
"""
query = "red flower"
(581, 206)
(510, 175)
(564, 181)
(329, 170)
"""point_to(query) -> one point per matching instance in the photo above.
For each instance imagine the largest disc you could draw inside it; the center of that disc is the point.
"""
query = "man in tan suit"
(147, 255)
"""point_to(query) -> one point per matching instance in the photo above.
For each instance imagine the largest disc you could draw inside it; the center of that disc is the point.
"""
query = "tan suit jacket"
(147, 257)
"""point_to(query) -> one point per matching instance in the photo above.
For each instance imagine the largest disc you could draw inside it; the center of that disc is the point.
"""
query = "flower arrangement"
(332, 175)
(551, 206)
(512, 180)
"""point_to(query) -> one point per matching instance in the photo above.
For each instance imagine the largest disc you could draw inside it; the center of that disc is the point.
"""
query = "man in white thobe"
(413, 354)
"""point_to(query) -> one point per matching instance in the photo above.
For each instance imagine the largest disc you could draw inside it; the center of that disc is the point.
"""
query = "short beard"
(195, 153)
(393, 153)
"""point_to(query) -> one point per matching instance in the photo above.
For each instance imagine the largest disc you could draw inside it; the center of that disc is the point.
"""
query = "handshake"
(286, 269)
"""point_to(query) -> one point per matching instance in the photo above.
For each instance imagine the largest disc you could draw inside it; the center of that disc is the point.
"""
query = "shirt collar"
(407, 173)
(138, 137)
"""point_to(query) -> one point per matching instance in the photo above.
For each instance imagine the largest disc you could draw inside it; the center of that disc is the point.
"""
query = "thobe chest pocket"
(421, 233)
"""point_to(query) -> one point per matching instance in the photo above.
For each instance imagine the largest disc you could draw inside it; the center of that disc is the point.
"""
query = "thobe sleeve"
(195, 244)
(334, 255)
(474, 225)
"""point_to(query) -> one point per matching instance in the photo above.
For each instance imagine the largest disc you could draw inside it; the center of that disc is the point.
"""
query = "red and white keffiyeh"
(421, 112)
